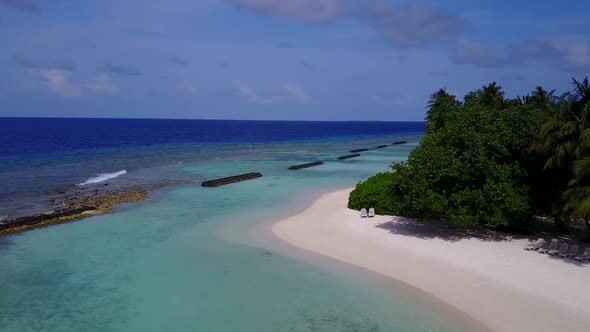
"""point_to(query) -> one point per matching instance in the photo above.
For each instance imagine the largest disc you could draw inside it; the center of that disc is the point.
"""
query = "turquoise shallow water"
(184, 260)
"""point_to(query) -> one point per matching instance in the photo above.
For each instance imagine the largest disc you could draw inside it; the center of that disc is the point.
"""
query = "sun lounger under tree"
(571, 253)
(562, 250)
(585, 256)
(536, 245)
(552, 246)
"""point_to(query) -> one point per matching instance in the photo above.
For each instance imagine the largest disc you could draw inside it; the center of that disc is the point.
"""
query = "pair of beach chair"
(551, 249)
(365, 214)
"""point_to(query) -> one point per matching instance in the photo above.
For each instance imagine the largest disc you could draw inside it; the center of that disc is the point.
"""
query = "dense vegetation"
(491, 160)
(375, 193)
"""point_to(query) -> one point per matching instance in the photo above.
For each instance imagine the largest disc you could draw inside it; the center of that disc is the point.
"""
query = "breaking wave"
(102, 177)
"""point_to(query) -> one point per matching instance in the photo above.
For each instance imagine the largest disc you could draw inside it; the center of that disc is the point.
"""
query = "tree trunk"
(587, 220)
(562, 222)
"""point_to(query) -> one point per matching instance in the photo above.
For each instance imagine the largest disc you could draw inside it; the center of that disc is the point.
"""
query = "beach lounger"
(536, 245)
(585, 256)
(371, 213)
(363, 213)
(552, 246)
(571, 253)
(562, 250)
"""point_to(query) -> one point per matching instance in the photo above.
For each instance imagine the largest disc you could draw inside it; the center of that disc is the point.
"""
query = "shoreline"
(78, 207)
(496, 283)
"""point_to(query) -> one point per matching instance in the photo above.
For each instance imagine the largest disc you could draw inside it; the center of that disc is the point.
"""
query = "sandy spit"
(495, 282)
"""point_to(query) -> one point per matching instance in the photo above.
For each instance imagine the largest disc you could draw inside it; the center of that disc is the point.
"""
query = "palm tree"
(492, 95)
(567, 136)
(578, 195)
(582, 94)
(542, 95)
(558, 136)
(566, 142)
(439, 103)
(543, 98)
(523, 100)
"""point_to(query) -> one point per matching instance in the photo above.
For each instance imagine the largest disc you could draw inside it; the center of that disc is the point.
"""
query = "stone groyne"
(350, 156)
(308, 165)
(230, 179)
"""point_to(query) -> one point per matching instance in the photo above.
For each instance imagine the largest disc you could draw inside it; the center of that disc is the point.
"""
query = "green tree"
(470, 171)
(565, 141)
(566, 137)
(491, 160)
(523, 100)
(492, 95)
(438, 107)
(374, 193)
(577, 196)
(542, 98)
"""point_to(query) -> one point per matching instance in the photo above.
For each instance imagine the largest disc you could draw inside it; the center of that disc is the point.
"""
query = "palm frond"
(550, 127)
(570, 127)
(578, 201)
(581, 169)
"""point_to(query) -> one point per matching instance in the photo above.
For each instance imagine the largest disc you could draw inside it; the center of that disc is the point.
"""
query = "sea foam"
(102, 177)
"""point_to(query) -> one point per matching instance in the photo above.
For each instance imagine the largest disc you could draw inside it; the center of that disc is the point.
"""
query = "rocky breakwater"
(74, 208)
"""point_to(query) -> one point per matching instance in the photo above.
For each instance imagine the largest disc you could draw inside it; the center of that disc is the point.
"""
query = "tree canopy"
(491, 160)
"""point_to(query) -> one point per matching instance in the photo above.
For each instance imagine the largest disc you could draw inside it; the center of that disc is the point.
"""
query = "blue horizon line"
(190, 119)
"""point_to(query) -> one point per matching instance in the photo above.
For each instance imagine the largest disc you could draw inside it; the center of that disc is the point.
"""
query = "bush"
(374, 193)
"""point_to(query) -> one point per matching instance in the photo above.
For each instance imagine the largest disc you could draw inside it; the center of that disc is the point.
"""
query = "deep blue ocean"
(26, 136)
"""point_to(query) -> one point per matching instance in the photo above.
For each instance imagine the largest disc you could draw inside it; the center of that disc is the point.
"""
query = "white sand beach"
(494, 281)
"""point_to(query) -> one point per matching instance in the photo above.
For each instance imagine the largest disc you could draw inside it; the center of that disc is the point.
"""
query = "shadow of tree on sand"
(544, 229)
(431, 229)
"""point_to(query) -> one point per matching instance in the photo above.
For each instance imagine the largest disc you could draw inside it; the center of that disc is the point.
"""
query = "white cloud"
(408, 25)
(473, 52)
(566, 53)
(187, 87)
(103, 83)
(247, 94)
(303, 10)
(575, 54)
(288, 93)
(58, 82)
(298, 93)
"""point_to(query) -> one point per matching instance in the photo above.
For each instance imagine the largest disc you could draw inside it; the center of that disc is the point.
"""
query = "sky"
(279, 59)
